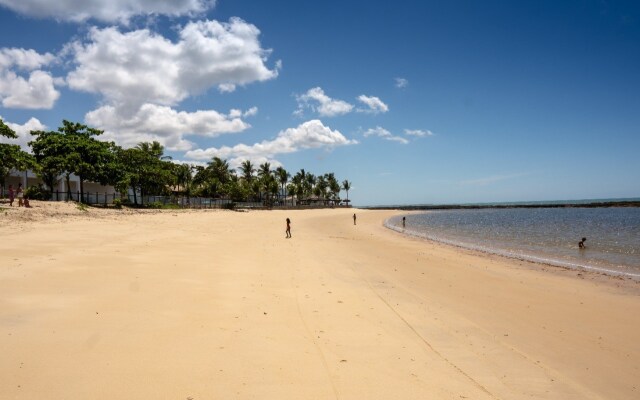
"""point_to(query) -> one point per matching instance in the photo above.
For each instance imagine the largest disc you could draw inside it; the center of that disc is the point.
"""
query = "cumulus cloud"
(312, 134)
(401, 82)
(23, 132)
(385, 134)
(318, 101)
(418, 132)
(107, 11)
(374, 103)
(166, 125)
(132, 68)
(22, 83)
(26, 59)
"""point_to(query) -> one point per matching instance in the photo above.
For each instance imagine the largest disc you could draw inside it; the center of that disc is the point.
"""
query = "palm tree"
(220, 169)
(155, 149)
(321, 187)
(247, 169)
(346, 185)
(283, 177)
(264, 169)
(334, 186)
(184, 176)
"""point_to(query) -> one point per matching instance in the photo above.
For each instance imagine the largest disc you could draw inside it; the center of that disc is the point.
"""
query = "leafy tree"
(145, 171)
(13, 157)
(87, 157)
(7, 131)
(51, 151)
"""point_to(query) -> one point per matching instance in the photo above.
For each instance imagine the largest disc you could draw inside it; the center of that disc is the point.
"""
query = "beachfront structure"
(29, 178)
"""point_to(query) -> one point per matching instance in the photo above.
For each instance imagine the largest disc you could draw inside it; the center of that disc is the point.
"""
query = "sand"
(219, 305)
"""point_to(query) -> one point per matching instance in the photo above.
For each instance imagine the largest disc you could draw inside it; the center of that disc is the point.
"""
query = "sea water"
(545, 235)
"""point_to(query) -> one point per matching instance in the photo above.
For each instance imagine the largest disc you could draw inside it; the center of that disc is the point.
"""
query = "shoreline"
(218, 304)
(518, 257)
(551, 204)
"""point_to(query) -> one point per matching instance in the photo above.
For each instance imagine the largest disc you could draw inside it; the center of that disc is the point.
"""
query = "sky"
(413, 102)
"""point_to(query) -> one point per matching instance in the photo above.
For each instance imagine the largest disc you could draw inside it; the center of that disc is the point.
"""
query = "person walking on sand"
(20, 194)
(354, 219)
(581, 243)
(288, 231)
(12, 195)
(404, 220)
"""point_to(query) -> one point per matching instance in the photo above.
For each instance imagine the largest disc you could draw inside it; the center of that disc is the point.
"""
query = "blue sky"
(414, 102)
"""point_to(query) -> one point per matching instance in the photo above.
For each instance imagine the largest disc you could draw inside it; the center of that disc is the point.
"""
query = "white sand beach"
(187, 304)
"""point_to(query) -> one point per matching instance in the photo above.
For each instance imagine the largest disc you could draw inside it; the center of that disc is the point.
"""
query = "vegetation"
(11, 156)
(145, 170)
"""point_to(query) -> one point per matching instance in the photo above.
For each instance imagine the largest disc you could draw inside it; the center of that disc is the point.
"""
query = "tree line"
(145, 170)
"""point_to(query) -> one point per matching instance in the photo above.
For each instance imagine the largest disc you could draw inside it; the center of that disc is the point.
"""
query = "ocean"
(544, 235)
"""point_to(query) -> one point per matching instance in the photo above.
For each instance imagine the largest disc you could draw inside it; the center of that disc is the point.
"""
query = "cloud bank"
(23, 83)
(312, 134)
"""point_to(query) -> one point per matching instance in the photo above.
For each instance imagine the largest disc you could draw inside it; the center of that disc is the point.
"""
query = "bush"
(156, 205)
(37, 193)
(228, 206)
(117, 203)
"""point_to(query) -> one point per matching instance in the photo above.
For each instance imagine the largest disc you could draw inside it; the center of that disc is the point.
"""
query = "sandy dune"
(219, 305)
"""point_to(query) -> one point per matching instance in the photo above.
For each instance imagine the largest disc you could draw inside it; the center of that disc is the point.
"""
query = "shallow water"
(547, 235)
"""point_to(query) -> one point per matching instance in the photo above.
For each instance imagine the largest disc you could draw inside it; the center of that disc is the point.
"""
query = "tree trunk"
(68, 187)
(81, 189)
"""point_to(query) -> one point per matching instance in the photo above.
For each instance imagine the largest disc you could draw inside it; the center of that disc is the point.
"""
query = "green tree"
(88, 158)
(13, 157)
(346, 186)
(334, 186)
(51, 150)
(153, 149)
(145, 172)
(7, 131)
(283, 177)
(247, 170)
(184, 177)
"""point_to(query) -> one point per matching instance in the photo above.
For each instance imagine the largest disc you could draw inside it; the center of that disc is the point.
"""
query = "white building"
(29, 178)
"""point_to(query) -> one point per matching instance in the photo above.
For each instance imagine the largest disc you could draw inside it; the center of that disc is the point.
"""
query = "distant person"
(404, 221)
(20, 194)
(26, 202)
(354, 219)
(288, 231)
(581, 243)
(12, 195)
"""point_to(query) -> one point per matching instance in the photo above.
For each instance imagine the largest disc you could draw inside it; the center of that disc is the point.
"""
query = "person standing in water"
(288, 231)
(404, 220)
(581, 243)
(354, 219)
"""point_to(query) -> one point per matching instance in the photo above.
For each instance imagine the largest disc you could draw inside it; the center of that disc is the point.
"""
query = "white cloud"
(26, 59)
(164, 124)
(226, 87)
(374, 103)
(324, 105)
(401, 82)
(32, 88)
(108, 11)
(312, 134)
(385, 134)
(23, 132)
(137, 67)
(418, 132)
